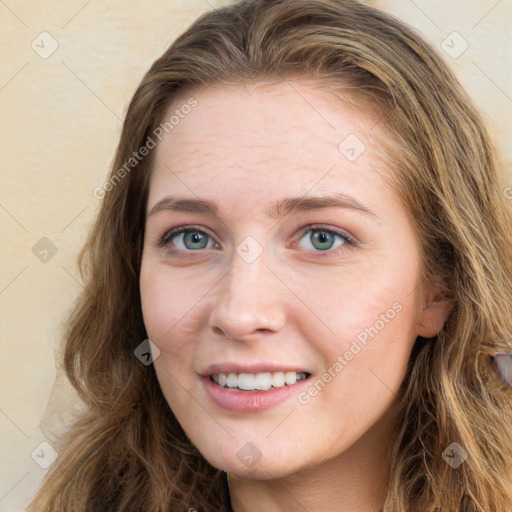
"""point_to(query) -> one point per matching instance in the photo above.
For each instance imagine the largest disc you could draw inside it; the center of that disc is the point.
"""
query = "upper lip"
(217, 368)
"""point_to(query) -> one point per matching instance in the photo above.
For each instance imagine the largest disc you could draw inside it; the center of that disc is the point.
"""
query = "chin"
(260, 460)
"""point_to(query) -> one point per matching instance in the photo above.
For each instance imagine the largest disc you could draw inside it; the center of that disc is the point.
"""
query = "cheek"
(173, 308)
(347, 301)
(368, 315)
(154, 296)
(164, 303)
(166, 307)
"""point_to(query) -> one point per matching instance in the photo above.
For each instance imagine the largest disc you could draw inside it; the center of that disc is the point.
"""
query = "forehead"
(258, 136)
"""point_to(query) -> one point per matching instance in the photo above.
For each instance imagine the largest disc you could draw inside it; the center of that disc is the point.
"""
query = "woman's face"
(299, 260)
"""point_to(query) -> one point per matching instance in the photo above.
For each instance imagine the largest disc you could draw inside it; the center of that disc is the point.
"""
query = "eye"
(322, 239)
(318, 238)
(188, 238)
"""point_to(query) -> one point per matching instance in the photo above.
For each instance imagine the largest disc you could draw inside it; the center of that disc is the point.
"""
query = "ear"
(434, 311)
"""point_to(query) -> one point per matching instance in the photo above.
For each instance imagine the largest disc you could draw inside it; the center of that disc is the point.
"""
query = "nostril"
(221, 332)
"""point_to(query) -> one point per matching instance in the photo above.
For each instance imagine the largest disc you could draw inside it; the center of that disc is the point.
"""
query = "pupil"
(323, 238)
(194, 238)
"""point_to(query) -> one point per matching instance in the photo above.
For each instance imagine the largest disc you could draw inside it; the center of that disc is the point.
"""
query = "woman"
(307, 219)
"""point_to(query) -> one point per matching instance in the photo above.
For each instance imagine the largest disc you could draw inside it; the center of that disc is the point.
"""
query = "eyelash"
(169, 235)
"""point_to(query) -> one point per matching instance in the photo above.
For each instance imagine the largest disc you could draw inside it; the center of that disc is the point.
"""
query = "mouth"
(252, 382)
(253, 387)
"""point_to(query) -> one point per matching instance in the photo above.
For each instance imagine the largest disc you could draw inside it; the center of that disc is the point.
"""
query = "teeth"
(258, 381)
(263, 381)
(290, 378)
(246, 381)
(231, 380)
(278, 379)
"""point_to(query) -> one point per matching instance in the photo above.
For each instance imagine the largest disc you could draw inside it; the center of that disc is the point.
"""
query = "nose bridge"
(248, 300)
(247, 281)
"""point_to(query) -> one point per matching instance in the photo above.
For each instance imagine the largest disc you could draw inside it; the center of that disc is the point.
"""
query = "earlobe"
(434, 313)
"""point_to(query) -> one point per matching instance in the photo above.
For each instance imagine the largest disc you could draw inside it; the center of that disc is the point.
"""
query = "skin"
(245, 147)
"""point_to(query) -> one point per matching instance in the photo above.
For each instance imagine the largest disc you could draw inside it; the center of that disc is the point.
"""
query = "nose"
(249, 302)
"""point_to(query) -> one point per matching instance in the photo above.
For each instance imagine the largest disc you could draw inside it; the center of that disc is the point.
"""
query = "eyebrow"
(276, 210)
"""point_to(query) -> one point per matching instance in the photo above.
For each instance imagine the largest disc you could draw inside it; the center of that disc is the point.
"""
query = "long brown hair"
(127, 452)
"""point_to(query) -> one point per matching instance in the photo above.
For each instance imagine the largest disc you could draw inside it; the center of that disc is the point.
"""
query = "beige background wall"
(67, 72)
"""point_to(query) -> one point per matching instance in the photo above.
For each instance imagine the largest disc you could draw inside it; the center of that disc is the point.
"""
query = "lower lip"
(251, 401)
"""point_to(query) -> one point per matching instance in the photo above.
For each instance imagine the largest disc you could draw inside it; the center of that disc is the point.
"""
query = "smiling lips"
(246, 397)
(257, 381)
(251, 388)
